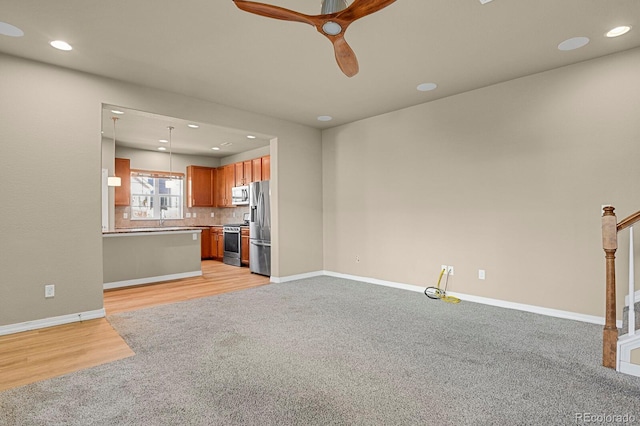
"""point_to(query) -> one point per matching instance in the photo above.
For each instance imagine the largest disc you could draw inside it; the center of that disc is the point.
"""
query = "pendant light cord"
(170, 154)
(114, 133)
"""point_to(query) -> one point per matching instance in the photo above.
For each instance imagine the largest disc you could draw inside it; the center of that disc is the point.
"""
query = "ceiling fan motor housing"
(333, 6)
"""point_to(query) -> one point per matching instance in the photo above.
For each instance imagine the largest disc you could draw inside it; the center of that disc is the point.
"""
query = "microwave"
(240, 195)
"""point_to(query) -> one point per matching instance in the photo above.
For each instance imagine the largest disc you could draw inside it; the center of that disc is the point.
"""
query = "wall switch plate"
(213, 214)
(481, 274)
(195, 237)
(195, 214)
(49, 291)
(187, 215)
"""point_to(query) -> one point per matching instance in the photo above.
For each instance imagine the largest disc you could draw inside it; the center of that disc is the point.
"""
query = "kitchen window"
(156, 195)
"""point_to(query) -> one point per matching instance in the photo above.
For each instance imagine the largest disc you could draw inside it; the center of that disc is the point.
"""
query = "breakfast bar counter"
(134, 256)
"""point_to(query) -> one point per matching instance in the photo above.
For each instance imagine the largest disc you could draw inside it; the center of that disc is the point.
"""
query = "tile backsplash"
(222, 216)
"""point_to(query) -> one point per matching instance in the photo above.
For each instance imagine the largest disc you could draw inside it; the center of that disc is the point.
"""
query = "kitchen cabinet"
(225, 181)
(244, 246)
(217, 242)
(256, 169)
(266, 167)
(243, 173)
(260, 168)
(201, 186)
(205, 243)
(123, 192)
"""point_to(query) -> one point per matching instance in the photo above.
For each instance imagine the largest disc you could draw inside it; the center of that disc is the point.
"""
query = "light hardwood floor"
(217, 278)
(37, 355)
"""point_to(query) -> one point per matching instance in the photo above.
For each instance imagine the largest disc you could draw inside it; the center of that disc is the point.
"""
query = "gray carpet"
(327, 351)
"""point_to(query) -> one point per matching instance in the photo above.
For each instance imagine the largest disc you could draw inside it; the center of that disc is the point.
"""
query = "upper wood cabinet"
(225, 180)
(123, 192)
(239, 174)
(201, 186)
(244, 173)
(266, 167)
(256, 169)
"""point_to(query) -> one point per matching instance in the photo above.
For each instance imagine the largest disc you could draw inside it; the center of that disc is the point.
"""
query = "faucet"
(162, 215)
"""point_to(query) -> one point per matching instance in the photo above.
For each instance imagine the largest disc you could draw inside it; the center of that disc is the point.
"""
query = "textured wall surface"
(509, 178)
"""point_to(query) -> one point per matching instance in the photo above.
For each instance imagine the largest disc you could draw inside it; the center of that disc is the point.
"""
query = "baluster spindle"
(610, 245)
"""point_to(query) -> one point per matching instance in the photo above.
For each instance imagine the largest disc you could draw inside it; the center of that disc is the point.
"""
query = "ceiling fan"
(332, 22)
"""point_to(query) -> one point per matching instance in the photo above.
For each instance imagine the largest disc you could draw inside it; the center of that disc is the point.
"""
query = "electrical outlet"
(195, 214)
(444, 267)
(195, 237)
(213, 214)
(125, 215)
(357, 259)
(450, 270)
(481, 274)
(49, 291)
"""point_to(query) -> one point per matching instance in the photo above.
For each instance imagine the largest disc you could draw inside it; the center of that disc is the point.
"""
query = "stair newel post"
(610, 245)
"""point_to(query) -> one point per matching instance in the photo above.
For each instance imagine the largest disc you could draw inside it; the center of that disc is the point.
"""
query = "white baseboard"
(50, 322)
(483, 300)
(297, 277)
(149, 280)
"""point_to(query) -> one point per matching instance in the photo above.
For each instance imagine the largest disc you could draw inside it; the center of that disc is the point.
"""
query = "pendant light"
(114, 180)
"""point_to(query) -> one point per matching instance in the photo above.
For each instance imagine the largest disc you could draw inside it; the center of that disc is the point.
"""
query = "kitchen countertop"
(155, 229)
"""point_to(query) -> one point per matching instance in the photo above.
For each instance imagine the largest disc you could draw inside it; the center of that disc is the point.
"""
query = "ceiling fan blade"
(275, 12)
(360, 8)
(345, 56)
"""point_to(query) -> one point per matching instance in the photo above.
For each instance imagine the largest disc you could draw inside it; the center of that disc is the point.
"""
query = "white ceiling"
(211, 50)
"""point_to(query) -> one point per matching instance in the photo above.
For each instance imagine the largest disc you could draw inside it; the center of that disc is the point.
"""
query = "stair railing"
(610, 229)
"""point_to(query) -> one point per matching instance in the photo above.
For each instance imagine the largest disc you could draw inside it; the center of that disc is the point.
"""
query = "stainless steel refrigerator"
(260, 228)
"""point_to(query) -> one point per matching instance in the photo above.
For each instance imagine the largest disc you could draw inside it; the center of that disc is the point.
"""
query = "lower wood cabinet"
(244, 246)
(217, 242)
(205, 243)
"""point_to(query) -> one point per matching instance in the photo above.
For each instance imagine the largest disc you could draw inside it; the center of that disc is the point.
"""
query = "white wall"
(159, 161)
(509, 178)
(51, 164)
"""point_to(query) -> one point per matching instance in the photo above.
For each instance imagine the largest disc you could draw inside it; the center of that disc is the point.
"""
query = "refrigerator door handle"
(257, 243)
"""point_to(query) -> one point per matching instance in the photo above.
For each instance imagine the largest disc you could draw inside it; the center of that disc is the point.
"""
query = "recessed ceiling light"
(573, 43)
(426, 87)
(485, 1)
(10, 30)
(162, 148)
(163, 141)
(250, 137)
(116, 111)
(226, 144)
(193, 126)
(61, 45)
(215, 148)
(325, 118)
(618, 31)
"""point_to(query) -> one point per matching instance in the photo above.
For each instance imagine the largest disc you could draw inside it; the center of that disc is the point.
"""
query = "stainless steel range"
(232, 245)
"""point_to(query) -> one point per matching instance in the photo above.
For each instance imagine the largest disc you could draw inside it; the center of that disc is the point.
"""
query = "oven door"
(231, 246)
